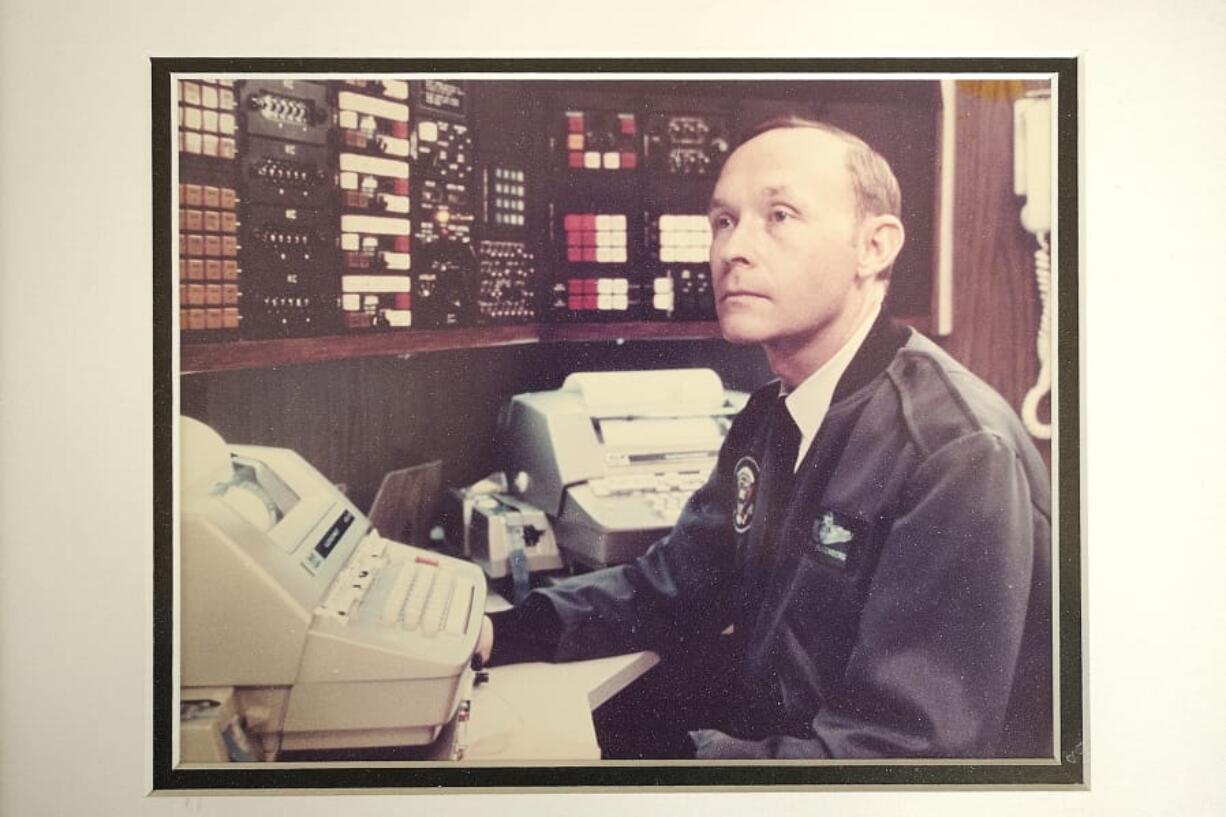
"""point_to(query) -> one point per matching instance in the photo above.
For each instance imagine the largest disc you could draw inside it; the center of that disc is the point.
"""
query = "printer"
(612, 457)
(298, 615)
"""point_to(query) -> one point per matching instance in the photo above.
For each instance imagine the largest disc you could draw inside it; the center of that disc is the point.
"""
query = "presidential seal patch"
(746, 476)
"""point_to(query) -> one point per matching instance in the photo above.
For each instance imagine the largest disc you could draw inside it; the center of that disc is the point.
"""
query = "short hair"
(872, 181)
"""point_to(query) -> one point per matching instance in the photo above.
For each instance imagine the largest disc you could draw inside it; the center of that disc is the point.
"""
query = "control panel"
(209, 279)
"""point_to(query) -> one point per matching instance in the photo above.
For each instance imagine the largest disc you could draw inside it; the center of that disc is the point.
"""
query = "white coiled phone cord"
(1030, 405)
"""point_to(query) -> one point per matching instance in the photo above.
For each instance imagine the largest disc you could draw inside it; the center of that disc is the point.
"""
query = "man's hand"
(485, 641)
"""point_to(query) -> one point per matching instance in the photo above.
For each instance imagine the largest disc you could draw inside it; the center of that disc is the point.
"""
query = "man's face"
(783, 253)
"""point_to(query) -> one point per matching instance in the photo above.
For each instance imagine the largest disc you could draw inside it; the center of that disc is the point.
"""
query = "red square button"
(574, 124)
(572, 222)
(576, 160)
(401, 244)
(574, 254)
(629, 161)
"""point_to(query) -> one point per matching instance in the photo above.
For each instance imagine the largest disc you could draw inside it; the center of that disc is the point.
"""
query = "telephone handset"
(1032, 174)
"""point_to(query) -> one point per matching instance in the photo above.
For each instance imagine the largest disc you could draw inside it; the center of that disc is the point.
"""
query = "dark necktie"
(784, 443)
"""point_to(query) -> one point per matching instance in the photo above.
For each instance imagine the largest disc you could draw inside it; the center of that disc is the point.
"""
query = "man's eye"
(780, 216)
(720, 222)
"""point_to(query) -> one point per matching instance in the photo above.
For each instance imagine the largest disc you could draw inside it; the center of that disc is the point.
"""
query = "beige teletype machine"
(301, 628)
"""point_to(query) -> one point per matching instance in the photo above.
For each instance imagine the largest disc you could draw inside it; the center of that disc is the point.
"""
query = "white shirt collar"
(809, 401)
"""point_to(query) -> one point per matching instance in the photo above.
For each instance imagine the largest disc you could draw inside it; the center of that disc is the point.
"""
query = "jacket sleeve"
(931, 671)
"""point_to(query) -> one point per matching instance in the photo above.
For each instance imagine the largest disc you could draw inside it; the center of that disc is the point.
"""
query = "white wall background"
(75, 352)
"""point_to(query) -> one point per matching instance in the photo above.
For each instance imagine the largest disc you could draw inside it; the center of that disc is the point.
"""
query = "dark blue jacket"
(897, 604)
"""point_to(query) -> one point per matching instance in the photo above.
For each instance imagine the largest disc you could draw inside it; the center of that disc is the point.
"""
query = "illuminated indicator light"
(403, 300)
(621, 302)
(427, 131)
(225, 99)
(604, 286)
(604, 222)
(209, 145)
(663, 301)
(574, 302)
(611, 161)
(350, 242)
(662, 285)
(574, 123)
(348, 119)
(575, 286)
(208, 96)
(589, 221)
(589, 238)
(574, 254)
(572, 221)
(604, 302)
(619, 255)
(351, 302)
(668, 255)
(191, 118)
(618, 239)
(210, 121)
(591, 301)
(591, 286)
(227, 148)
(627, 123)
(591, 160)
(348, 180)
(619, 222)
(629, 161)
(574, 141)
(400, 130)
(589, 253)
(621, 286)
(191, 93)
(575, 160)
(400, 187)
(573, 238)
(604, 255)
(401, 243)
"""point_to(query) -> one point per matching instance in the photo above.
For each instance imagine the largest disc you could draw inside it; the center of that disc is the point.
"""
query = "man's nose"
(733, 246)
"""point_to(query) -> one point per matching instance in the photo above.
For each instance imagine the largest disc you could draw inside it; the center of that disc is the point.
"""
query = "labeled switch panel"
(600, 140)
(208, 259)
(681, 278)
(288, 212)
(444, 285)
(596, 282)
(685, 144)
(443, 173)
(207, 123)
(373, 174)
(296, 110)
(506, 199)
(209, 273)
(507, 288)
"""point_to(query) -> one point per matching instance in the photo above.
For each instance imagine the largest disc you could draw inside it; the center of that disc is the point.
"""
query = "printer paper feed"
(682, 433)
(674, 392)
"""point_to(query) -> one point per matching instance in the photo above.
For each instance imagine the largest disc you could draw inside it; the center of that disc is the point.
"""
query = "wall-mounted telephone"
(1032, 177)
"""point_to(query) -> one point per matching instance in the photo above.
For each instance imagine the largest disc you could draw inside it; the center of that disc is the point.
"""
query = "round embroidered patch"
(746, 476)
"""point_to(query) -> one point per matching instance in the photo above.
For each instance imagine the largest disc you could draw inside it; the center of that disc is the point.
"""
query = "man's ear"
(881, 239)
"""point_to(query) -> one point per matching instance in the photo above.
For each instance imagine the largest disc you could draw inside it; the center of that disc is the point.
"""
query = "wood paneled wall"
(995, 295)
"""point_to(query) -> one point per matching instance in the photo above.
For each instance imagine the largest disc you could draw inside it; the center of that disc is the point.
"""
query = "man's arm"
(662, 600)
(933, 667)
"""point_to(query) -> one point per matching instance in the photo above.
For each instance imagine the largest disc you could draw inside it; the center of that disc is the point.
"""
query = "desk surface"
(542, 711)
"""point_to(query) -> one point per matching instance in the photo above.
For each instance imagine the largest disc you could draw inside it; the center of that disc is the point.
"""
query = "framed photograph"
(533, 317)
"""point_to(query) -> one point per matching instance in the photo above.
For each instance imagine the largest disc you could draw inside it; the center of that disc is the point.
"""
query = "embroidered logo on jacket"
(746, 476)
(833, 535)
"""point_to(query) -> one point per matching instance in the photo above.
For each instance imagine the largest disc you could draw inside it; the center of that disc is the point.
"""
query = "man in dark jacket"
(867, 572)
